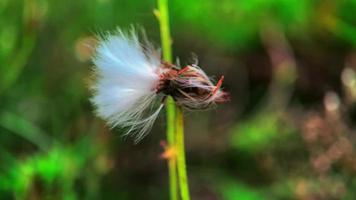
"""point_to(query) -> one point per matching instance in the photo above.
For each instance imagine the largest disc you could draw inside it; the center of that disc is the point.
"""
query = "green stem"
(182, 169)
(165, 31)
(163, 18)
(172, 162)
(175, 126)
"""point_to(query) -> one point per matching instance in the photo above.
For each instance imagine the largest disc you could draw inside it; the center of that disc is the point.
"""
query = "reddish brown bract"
(190, 87)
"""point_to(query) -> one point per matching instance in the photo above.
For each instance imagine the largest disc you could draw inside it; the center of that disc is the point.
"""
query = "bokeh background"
(288, 132)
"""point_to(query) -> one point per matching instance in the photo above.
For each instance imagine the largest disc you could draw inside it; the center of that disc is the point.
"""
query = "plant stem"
(171, 140)
(182, 169)
(165, 31)
(170, 105)
(175, 125)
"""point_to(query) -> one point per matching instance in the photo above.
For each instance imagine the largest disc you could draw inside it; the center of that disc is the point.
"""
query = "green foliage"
(58, 168)
(235, 190)
(259, 132)
(225, 22)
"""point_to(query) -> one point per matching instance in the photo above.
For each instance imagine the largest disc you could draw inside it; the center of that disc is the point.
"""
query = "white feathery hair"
(127, 74)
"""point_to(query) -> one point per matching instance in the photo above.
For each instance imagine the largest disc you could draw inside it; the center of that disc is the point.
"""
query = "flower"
(131, 79)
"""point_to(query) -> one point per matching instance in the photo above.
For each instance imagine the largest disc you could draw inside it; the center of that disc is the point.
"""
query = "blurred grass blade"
(25, 129)
(13, 68)
(17, 58)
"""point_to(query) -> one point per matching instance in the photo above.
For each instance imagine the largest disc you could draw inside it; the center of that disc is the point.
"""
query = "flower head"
(131, 78)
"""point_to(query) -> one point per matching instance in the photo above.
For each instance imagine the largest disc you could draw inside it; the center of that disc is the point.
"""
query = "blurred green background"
(288, 132)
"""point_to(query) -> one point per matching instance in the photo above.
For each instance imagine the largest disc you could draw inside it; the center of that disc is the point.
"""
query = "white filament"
(125, 87)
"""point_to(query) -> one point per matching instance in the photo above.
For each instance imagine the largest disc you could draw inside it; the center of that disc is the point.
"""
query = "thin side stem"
(181, 164)
(172, 162)
(163, 18)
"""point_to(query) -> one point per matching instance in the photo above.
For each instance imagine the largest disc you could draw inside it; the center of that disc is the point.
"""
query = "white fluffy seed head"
(127, 74)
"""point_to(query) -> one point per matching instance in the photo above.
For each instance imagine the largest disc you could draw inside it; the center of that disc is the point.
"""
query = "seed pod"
(191, 88)
(131, 79)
